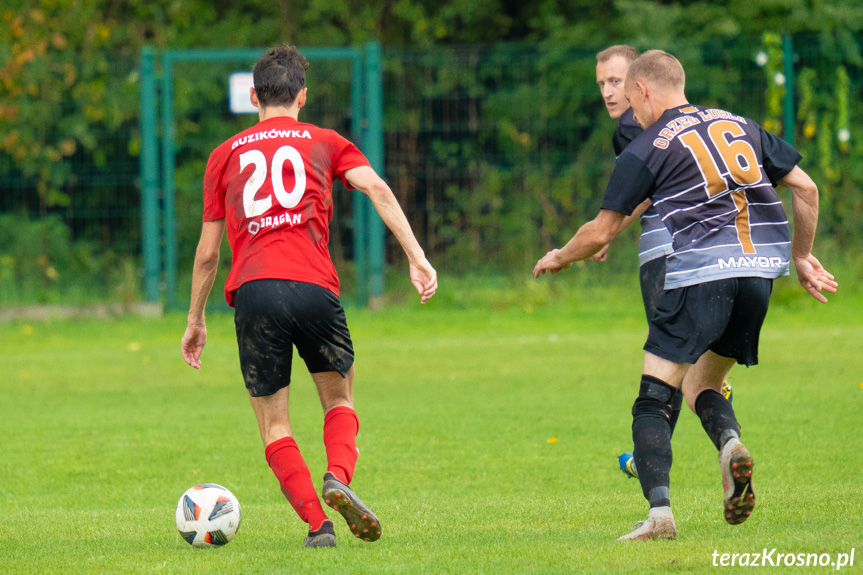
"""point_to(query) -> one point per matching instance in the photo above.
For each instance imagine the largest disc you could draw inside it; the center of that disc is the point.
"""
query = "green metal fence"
(499, 152)
(339, 95)
(69, 200)
(495, 152)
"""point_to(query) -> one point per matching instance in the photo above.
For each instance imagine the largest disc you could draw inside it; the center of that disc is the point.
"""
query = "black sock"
(651, 435)
(717, 417)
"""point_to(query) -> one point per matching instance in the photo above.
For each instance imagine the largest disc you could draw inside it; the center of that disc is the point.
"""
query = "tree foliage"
(494, 125)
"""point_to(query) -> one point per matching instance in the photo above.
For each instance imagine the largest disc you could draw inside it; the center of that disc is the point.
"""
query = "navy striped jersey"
(711, 176)
(655, 240)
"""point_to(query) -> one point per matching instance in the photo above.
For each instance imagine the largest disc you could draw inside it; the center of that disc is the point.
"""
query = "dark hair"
(627, 52)
(279, 76)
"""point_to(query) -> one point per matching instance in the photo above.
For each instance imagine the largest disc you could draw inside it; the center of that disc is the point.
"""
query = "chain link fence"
(496, 153)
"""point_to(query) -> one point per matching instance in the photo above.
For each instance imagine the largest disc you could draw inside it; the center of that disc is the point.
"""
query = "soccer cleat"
(726, 391)
(739, 498)
(659, 525)
(627, 465)
(361, 521)
(325, 536)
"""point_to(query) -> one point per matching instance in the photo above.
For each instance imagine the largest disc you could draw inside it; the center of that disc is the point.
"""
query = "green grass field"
(488, 439)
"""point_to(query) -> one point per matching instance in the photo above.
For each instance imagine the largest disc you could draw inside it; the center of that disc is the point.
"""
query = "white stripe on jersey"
(717, 196)
(655, 248)
(675, 254)
(779, 203)
(696, 206)
(734, 211)
(696, 186)
(702, 184)
(667, 274)
(774, 244)
(662, 229)
(769, 224)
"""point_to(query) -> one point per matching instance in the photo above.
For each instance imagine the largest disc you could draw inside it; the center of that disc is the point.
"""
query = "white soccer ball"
(208, 515)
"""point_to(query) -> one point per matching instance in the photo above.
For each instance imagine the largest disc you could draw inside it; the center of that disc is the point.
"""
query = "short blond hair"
(626, 52)
(662, 70)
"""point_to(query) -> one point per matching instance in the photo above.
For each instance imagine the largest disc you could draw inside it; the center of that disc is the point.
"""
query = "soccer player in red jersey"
(270, 186)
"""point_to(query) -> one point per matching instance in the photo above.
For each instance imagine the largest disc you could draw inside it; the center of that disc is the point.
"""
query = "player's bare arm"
(636, 214)
(423, 275)
(804, 205)
(588, 240)
(203, 276)
(602, 254)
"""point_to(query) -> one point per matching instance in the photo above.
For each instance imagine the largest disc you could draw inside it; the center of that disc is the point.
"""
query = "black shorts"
(272, 316)
(723, 316)
(652, 277)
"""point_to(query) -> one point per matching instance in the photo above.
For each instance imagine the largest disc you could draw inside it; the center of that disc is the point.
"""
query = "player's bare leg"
(709, 372)
(340, 430)
(271, 412)
(719, 421)
(284, 458)
(335, 390)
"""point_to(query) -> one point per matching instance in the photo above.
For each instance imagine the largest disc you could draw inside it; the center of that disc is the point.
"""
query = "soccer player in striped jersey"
(271, 188)
(711, 175)
(654, 244)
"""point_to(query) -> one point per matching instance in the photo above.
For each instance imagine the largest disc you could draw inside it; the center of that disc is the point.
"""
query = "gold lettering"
(689, 121)
(742, 221)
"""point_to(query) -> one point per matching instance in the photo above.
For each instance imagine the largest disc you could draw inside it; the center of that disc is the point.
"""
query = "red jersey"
(273, 184)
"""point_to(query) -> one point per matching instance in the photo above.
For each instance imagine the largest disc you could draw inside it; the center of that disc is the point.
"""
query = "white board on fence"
(238, 95)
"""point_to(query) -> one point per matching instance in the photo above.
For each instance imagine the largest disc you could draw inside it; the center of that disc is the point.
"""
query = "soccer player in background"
(711, 175)
(654, 244)
(271, 187)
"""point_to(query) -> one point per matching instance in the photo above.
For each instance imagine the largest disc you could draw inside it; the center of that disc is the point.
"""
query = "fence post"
(374, 150)
(168, 195)
(358, 118)
(149, 161)
(788, 64)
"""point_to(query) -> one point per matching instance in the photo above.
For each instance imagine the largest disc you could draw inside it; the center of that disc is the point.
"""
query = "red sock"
(341, 425)
(287, 464)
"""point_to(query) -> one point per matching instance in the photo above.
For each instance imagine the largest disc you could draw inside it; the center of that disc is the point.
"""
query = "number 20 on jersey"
(286, 199)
